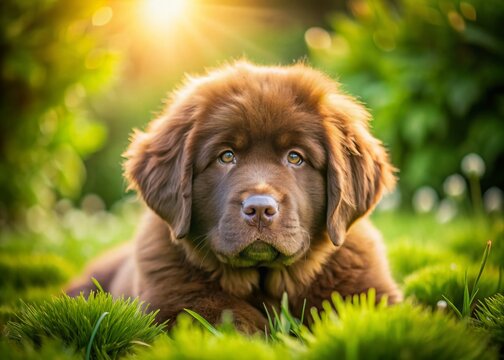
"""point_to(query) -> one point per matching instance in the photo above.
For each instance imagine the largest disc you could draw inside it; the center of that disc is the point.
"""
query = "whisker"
(204, 257)
(201, 244)
(199, 241)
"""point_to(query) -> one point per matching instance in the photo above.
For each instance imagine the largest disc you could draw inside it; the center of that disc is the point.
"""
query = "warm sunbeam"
(162, 14)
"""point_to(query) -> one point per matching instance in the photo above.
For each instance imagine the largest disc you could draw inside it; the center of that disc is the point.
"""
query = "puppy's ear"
(159, 167)
(358, 166)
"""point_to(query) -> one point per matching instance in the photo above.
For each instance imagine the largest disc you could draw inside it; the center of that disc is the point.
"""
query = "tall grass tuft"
(358, 329)
(490, 315)
(430, 284)
(283, 324)
(80, 323)
(470, 296)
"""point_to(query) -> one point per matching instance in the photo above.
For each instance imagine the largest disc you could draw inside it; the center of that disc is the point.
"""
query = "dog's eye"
(294, 158)
(227, 157)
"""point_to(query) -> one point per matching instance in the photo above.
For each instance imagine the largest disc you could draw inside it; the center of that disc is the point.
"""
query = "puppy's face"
(259, 189)
(250, 165)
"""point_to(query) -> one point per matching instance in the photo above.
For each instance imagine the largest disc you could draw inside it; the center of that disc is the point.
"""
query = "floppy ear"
(159, 167)
(358, 166)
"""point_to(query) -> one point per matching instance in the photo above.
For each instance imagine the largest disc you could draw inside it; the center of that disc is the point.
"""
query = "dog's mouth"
(259, 252)
(267, 249)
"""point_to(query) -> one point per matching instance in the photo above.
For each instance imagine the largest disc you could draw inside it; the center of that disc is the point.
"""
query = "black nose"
(259, 210)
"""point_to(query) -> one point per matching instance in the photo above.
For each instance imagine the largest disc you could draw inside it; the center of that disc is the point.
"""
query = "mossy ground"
(428, 259)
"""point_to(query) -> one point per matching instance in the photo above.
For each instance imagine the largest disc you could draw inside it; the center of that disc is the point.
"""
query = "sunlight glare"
(161, 14)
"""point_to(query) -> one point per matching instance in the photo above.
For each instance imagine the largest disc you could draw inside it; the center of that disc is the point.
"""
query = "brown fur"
(189, 251)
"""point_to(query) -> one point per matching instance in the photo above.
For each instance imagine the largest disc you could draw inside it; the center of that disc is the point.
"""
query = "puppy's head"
(251, 164)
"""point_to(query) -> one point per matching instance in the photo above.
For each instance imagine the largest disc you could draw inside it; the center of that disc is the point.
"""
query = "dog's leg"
(209, 303)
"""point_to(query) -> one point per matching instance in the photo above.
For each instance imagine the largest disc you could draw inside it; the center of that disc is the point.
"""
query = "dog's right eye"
(294, 158)
(227, 157)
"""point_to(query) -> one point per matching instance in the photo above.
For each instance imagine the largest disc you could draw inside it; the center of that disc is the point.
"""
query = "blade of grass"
(452, 306)
(303, 311)
(469, 297)
(486, 253)
(270, 322)
(291, 322)
(473, 297)
(204, 322)
(466, 303)
(138, 342)
(278, 321)
(93, 334)
(97, 284)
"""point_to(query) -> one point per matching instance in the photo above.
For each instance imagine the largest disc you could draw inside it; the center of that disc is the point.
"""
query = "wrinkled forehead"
(242, 122)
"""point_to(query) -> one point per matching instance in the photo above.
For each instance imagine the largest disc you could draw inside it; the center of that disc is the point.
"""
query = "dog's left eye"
(227, 157)
(294, 158)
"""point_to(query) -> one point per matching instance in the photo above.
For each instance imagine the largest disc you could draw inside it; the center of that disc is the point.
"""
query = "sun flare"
(161, 14)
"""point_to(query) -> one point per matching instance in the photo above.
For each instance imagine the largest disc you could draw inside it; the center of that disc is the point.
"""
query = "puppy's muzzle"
(259, 210)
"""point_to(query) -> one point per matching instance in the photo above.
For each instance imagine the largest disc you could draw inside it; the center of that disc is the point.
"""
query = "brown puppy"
(259, 180)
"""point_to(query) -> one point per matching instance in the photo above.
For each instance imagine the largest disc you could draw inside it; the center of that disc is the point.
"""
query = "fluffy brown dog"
(259, 179)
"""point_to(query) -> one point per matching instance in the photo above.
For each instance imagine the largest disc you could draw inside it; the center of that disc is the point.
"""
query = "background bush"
(431, 73)
(48, 68)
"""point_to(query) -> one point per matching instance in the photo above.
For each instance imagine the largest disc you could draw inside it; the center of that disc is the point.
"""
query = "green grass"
(104, 327)
(490, 316)
(190, 341)
(405, 258)
(359, 329)
(354, 328)
(428, 259)
(429, 284)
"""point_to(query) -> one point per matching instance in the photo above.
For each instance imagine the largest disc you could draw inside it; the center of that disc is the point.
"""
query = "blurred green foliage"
(51, 57)
(22, 271)
(431, 72)
(406, 258)
(429, 284)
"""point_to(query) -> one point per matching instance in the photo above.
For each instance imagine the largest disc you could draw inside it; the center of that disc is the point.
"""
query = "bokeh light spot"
(456, 21)
(360, 9)
(454, 185)
(447, 210)
(468, 11)
(473, 165)
(102, 16)
(425, 199)
(318, 38)
(493, 199)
